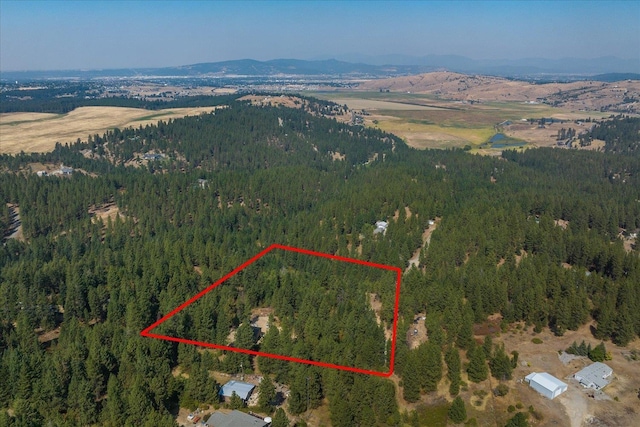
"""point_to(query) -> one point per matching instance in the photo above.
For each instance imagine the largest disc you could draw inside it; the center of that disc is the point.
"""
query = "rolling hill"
(585, 95)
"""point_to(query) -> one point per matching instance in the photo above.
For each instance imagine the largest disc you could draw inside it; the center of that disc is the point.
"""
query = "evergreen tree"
(500, 364)
(5, 394)
(266, 394)
(514, 359)
(598, 353)
(139, 403)
(82, 402)
(477, 369)
(235, 402)
(341, 413)
(457, 412)
(431, 366)
(465, 333)
(453, 370)
(487, 346)
(518, 420)
(280, 419)
(115, 410)
(624, 330)
(410, 381)
(298, 394)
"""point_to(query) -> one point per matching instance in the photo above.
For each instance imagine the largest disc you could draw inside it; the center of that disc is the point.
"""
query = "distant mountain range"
(505, 67)
(366, 66)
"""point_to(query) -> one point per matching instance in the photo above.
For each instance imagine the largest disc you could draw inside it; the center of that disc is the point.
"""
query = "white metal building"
(546, 384)
(243, 390)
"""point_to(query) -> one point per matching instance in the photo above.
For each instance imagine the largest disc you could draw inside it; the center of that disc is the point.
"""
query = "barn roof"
(243, 390)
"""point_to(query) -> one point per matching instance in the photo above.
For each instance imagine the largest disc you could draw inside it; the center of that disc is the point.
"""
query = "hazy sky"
(47, 35)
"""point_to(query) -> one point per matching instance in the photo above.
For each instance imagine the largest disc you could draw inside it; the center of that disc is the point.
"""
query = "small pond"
(497, 137)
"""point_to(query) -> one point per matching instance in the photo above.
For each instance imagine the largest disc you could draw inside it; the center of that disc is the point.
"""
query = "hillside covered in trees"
(533, 236)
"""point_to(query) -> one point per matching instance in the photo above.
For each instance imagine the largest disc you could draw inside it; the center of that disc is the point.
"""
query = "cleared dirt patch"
(376, 305)
(283, 100)
(105, 212)
(337, 156)
(49, 335)
(39, 133)
(417, 332)
(414, 261)
(15, 226)
(630, 244)
(576, 407)
(260, 318)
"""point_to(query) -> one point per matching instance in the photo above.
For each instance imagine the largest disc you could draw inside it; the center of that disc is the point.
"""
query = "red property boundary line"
(147, 331)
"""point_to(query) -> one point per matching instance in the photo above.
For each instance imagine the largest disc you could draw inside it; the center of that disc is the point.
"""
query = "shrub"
(536, 341)
(518, 420)
(511, 408)
(501, 390)
(480, 393)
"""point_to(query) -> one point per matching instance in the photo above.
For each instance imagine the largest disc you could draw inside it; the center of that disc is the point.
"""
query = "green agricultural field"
(426, 121)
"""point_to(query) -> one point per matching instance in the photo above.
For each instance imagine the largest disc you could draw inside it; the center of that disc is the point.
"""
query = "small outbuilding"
(594, 376)
(243, 390)
(381, 227)
(546, 384)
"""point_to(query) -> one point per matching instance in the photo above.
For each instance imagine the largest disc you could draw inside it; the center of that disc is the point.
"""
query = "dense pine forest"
(620, 135)
(61, 98)
(533, 235)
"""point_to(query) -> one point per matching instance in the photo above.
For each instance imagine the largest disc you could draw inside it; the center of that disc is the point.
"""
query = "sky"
(86, 34)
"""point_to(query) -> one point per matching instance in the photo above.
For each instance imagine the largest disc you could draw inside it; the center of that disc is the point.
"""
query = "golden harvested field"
(375, 104)
(39, 132)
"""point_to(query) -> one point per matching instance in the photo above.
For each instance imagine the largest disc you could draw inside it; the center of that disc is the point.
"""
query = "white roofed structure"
(243, 390)
(594, 376)
(546, 384)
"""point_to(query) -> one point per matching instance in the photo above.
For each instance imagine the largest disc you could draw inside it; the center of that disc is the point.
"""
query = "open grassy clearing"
(38, 132)
(374, 104)
(12, 119)
(420, 135)
(425, 121)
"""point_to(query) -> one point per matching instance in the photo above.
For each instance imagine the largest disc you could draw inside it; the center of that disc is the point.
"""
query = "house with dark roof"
(235, 419)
